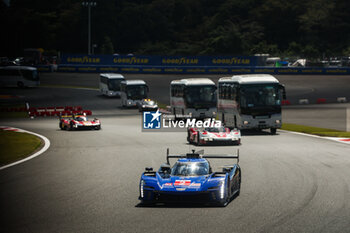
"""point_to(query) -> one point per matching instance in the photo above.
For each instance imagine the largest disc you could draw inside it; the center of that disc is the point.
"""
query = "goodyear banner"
(180, 65)
(73, 59)
(203, 70)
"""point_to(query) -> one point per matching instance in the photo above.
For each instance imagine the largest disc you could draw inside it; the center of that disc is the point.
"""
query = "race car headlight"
(143, 106)
(245, 122)
(222, 190)
(141, 188)
(190, 114)
(278, 121)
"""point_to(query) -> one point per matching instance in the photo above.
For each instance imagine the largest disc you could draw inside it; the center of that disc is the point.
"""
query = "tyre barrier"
(341, 100)
(321, 101)
(57, 111)
(303, 101)
(285, 102)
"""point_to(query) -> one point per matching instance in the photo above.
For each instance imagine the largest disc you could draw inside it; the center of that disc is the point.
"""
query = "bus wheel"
(273, 130)
(20, 84)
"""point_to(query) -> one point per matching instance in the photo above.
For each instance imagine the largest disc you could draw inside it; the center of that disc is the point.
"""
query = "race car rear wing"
(199, 154)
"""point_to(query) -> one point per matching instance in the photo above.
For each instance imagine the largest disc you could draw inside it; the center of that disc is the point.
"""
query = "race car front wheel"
(198, 140)
(61, 125)
(71, 126)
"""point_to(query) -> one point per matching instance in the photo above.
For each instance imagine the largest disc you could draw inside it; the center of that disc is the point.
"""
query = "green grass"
(315, 130)
(12, 114)
(15, 146)
(161, 105)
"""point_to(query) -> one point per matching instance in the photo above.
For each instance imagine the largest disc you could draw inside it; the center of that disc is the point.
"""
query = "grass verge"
(15, 146)
(315, 130)
(5, 114)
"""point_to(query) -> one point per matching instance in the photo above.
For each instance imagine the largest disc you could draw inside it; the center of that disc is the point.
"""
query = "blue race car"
(191, 179)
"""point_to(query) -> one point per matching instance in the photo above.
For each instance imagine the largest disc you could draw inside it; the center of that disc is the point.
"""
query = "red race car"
(78, 121)
(213, 135)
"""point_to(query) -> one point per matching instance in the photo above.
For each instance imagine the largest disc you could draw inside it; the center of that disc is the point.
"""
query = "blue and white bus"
(193, 98)
(110, 84)
(133, 92)
(20, 76)
(250, 102)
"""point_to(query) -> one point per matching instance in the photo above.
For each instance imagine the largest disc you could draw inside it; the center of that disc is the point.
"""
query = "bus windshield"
(30, 75)
(200, 96)
(190, 169)
(260, 96)
(136, 92)
(114, 84)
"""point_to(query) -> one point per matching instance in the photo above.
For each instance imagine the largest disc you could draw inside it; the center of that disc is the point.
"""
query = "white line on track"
(42, 150)
(341, 140)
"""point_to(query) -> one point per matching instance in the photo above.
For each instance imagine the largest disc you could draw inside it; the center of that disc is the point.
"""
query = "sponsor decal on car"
(182, 183)
(195, 185)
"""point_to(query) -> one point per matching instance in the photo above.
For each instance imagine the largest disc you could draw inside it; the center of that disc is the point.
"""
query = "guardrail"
(48, 111)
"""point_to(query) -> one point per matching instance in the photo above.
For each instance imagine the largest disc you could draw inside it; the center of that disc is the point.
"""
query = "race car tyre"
(273, 131)
(188, 137)
(71, 126)
(98, 127)
(198, 141)
(147, 203)
(61, 125)
(238, 142)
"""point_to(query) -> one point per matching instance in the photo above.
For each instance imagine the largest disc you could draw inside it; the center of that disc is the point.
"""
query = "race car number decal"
(182, 183)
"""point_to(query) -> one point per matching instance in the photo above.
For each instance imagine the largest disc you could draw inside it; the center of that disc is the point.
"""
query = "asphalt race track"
(87, 181)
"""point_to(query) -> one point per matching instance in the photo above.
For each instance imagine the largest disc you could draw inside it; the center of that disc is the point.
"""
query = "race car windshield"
(190, 169)
(215, 129)
(149, 102)
(80, 118)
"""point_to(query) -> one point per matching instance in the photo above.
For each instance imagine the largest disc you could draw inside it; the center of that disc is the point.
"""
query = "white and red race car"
(79, 121)
(214, 135)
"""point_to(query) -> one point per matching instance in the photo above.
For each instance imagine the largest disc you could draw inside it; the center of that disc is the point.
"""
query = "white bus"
(194, 98)
(133, 92)
(21, 76)
(110, 84)
(251, 102)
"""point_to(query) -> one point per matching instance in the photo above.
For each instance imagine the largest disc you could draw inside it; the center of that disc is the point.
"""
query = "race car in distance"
(78, 121)
(147, 105)
(191, 180)
(213, 135)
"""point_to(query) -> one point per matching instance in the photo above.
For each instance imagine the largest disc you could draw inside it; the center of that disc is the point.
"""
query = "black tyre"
(98, 127)
(61, 125)
(198, 140)
(273, 131)
(71, 126)
(238, 142)
(188, 137)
